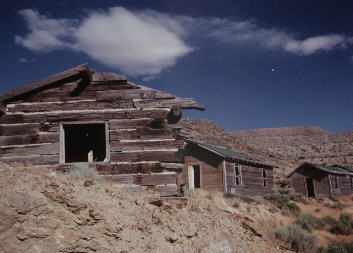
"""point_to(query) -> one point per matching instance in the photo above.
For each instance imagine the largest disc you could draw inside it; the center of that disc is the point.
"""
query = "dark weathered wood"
(167, 190)
(130, 168)
(175, 115)
(51, 81)
(79, 105)
(122, 179)
(106, 77)
(132, 94)
(146, 145)
(158, 179)
(108, 87)
(94, 115)
(141, 134)
(184, 103)
(32, 160)
(31, 128)
(162, 156)
(43, 149)
(155, 123)
(29, 139)
(21, 118)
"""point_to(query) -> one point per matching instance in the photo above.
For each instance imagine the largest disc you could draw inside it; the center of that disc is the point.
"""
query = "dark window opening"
(310, 187)
(237, 175)
(85, 142)
(264, 175)
(197, 176)
(351, 182)
(336, 182)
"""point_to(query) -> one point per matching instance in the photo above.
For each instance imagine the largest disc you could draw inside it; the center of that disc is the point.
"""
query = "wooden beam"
(60, 78)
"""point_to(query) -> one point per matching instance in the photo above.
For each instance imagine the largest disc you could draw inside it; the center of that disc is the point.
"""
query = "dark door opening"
(85, 142)
(197, 176)
(310, 187)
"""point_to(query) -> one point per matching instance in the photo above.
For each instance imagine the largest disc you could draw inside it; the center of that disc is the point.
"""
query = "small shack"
(210, 166)
(321, 181)
(128, 132)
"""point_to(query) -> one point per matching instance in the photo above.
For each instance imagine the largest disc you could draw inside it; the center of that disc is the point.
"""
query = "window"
(83, 142)
(264, 175)
(237, 174)
(351, 182)
(336, 182)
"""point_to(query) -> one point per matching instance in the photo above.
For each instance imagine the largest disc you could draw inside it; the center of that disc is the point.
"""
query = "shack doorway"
(194, 175)
(310, 187)
(84, 142)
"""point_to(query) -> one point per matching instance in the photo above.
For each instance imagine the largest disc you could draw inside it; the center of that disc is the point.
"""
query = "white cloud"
(137, 43)
(231, 31)
(45, 34)
(146, 42)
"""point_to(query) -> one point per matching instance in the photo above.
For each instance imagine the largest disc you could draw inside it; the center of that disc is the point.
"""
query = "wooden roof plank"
(51, 80)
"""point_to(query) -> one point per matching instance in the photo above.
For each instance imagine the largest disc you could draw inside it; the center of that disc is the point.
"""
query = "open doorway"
(84, 142)
(310, 187)
(194, 175)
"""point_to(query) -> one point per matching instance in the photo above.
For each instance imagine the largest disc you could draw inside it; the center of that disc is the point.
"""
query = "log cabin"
(321, 181)
(213, 167)
(128, 132)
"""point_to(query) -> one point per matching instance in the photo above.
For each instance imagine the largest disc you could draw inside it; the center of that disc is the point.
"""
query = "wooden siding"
(252, 182)
(344, 186)
(211, 167)
(213, 176)
(143, 139)
(321, 182)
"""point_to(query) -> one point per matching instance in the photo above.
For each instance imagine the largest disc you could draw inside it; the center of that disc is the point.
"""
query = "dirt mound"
(286, 147)
(41, 211)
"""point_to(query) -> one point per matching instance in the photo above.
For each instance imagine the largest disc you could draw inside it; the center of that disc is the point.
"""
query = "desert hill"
(42, 211)
(285, 147)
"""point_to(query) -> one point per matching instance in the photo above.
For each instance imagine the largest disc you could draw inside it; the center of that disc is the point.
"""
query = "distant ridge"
(286, 147)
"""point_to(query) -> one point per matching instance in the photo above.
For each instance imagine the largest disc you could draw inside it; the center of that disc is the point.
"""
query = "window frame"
(264, 177)
(62, 139)
(239, 176)
(336, 182)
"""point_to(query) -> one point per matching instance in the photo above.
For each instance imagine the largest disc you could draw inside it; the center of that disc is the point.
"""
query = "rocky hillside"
(285, 147)
(41, 211)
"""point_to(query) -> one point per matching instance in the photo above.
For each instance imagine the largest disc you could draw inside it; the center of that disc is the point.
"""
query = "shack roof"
(349, 169)
(86, 76)
(228, 153)
(335, 169)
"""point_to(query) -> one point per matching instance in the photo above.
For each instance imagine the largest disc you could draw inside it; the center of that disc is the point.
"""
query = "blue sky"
(253, 64)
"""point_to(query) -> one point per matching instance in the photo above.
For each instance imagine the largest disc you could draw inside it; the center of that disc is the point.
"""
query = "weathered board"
(142, 139)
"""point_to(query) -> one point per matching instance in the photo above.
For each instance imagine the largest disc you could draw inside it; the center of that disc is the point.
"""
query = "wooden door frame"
(62, 138)
(192, 164)
(306, 186)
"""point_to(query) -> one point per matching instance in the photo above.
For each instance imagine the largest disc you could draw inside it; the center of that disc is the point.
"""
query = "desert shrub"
(346, 219)
(340, 247)
(330, 220)
(341, 229)
(294, 208)
(297, 238)
(310, 222)
(246, 199)
(83, 172)
(236, 205)
(336, 205)
(317, 210)
(343, 226)
(273, 209)
(229, 195)
(279, 200)
(298, 198)
(321, 249)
